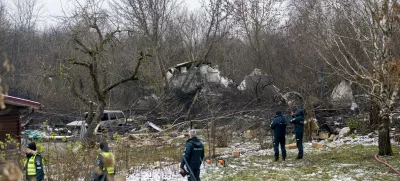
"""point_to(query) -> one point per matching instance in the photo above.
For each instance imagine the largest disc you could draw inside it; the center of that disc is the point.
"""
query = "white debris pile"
(357, 140)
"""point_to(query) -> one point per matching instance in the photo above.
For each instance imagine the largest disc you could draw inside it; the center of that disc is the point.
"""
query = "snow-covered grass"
(343, 162)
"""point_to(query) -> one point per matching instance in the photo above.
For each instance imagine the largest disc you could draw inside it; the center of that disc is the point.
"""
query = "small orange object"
(221, 162)
(208, 161)
(236, 154)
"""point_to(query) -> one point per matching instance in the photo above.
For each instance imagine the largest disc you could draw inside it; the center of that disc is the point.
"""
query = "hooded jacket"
(278, 124)
(298, 121)
(194, 154)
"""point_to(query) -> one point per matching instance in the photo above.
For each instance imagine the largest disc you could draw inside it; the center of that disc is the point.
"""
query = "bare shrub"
(263, 138)
(223, 137)
(72, 161)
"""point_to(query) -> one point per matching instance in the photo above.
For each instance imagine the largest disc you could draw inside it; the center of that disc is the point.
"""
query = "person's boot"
(299, 157)
(276, 159)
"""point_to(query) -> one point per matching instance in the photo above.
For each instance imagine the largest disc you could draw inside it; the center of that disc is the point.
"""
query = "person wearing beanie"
(105, 162)
(193, 156)
(33, 166)
(278, 124)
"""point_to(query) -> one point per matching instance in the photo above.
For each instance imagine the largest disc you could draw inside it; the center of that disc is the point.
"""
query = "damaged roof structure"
(193, 74)
(261, 85)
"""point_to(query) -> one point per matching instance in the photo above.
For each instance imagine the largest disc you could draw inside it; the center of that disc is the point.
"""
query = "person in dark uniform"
(298, 121)
(33, 166)
(192, 157)
(278, 124)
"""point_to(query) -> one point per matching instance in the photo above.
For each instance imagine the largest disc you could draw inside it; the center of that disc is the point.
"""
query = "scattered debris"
(152, 125)
(249, 134)
(291, 146)
(323, 136)
(344, 132)
(189, 75)
(236, 154)
(293, 99)
(32, 134)
(342, 94)
(317, 145)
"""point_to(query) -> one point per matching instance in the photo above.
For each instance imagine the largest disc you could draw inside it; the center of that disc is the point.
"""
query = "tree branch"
(75, 62)
(78, 95)
(84, 49)
(132, 77)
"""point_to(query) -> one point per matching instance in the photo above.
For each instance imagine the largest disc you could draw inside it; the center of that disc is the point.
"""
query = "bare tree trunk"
(374, 115)
(384, 145)
(96, 119)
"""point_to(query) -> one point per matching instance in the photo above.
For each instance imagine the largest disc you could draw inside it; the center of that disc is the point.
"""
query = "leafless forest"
(96, 58)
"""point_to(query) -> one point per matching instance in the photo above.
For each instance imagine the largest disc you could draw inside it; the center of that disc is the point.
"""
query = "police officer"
(298, 121)
(278, 124)
(192, 156)
(33, 166)
(105, 164)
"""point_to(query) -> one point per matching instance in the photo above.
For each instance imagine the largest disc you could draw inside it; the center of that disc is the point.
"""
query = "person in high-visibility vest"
(105, 163)
(33, 166)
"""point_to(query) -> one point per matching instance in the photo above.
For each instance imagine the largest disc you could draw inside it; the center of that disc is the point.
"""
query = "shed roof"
(15, 101)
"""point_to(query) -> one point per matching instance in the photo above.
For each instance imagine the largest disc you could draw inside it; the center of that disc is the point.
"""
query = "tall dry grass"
(69, 160)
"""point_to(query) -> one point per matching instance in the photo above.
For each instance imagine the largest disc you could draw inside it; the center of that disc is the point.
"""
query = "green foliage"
(353, 136)
(117, 136)
(353, 123)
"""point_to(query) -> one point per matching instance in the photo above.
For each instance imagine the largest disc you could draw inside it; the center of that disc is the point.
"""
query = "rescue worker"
(278, 124)
(105, 164)
(192, 157)
(33, 166)
(298, 121)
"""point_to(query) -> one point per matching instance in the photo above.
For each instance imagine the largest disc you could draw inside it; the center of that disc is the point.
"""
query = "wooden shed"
(10, 117)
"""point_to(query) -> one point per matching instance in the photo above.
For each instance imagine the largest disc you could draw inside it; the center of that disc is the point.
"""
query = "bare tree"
(151, 20)
(256, 19)
(373, 24)
(94, 55)
(25, 14)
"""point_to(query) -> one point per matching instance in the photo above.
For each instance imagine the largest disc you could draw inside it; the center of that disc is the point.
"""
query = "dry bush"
(223, 137)
(71, 161)
(263, 138)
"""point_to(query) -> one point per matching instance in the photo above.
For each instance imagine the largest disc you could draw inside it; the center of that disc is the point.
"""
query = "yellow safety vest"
(30, 166)
(110, 170)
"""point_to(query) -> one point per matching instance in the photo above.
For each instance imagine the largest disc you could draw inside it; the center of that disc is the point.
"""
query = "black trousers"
(196, 174)
(299, 143)
(279, 141)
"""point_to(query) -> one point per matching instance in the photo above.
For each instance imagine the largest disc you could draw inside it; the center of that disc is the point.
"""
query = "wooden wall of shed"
(10, 124)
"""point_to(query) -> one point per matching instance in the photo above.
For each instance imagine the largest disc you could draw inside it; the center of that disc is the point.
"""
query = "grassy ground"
(341, 163)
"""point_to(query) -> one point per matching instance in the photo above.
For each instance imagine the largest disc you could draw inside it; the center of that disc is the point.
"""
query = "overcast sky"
(53, 8)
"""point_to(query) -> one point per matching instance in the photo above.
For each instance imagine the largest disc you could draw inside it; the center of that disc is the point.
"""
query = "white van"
(112, 117)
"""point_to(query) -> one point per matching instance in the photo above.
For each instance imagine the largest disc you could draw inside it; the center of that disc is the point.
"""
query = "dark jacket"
(298, 121)
(39, 167)
(194, 154)
(278, 124)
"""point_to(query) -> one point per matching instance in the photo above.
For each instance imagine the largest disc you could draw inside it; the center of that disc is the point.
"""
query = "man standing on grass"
(192, 157)
(33, 166)
(298, 121)
(278, 124)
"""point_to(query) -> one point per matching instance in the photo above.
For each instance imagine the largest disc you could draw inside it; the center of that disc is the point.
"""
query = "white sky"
(53, 8)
